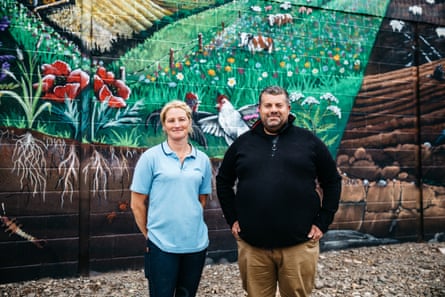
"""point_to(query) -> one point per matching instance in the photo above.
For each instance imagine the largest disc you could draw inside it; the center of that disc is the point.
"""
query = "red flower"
(108, 88)
(59, 82)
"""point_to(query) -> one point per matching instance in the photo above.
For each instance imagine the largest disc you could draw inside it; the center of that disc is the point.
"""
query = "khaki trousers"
(292, 268)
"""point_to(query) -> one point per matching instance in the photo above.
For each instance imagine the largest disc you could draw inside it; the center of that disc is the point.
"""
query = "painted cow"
(256, 43)
(280, 19)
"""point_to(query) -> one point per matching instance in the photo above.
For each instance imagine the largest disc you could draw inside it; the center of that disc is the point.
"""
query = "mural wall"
(82, 83)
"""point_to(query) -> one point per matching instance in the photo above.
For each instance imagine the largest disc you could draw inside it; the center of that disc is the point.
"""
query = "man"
(275, 213)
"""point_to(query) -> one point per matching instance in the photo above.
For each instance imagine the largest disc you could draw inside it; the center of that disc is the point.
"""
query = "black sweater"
(275, 200)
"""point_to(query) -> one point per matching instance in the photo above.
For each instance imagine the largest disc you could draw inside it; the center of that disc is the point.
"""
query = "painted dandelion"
(28, 155)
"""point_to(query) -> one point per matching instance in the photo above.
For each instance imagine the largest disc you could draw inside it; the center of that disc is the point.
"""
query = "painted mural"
(82, 84)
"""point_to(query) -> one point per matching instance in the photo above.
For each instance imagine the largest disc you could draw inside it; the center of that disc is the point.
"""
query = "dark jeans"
(171, 274)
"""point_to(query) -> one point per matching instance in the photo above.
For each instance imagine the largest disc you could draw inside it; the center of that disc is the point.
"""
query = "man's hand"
(235, 230)
(314, 234)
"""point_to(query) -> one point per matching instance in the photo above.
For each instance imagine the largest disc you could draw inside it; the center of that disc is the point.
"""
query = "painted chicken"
(192, 100)
(229, 122)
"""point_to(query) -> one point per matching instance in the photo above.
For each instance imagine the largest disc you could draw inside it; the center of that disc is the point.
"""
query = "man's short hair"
(274, 90)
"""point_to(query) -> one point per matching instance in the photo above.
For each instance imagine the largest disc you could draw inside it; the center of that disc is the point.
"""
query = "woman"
(175, 179)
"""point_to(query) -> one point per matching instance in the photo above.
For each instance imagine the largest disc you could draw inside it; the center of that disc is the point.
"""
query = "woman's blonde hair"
(176, 104)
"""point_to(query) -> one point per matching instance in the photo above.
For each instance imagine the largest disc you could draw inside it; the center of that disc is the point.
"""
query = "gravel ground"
(407, 269)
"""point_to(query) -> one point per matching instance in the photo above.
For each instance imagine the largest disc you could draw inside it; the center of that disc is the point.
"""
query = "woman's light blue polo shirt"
(175, 220)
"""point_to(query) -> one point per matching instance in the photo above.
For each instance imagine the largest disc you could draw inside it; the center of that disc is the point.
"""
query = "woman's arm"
(139, 208)
(203, 200)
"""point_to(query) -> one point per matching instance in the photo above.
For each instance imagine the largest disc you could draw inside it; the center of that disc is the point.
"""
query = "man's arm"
(330, 183)
(225, 182)
(226, 195)
(139, 208)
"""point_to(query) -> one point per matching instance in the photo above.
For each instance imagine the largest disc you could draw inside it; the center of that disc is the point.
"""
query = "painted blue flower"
(4, 23)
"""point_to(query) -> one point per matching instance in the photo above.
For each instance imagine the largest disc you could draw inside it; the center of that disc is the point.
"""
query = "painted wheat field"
(100, 23)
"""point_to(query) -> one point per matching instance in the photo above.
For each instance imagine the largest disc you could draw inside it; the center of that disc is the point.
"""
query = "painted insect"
(11, 226)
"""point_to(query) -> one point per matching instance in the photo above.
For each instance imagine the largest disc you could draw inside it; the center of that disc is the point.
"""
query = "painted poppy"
(59, 82)
(107, 87)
